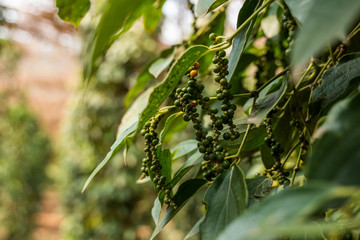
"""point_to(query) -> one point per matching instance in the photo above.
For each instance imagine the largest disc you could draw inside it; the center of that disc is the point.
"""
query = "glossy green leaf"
(195, 229)
(339, 81)
(126, 131)
(169, 121)
(258, 187)
(152, 18)
(161, 64)
(264, 104)
(156, 211)
(274, 216)
(193, 160)
(118, 15)
(299, 9)
(72, 11)
(205, 6)
(335, 156)
(183, 194)
(163, 90)
(242, 37)
(183, 148)
(254, 139)
(226, 199)
(325, 22)
(165, 162)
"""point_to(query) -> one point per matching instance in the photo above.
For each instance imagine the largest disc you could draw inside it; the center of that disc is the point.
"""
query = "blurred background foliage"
(24, 152)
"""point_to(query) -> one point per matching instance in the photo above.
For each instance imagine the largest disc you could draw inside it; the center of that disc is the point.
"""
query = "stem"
(240, 95)
(254, 15)
(290, 152)
(353, 32)
(243, 140)
(304, 75)
(331, 55)
(296, 168)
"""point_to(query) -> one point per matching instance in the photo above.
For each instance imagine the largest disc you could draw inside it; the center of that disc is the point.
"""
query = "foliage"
(115, 207)
(24, 153)
(302, 58)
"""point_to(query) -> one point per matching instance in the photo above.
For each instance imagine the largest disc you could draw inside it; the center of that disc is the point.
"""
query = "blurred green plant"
(24, 152)
(115, 207)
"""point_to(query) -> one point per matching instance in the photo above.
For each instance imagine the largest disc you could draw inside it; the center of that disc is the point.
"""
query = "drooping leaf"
(339, 81)
(264, 104)
(161, 64)
(118, 15)
(205, 6)
(72, 11)
(242, 37)
(193, 160)
(335, 155)
(126, 131)
(325, 22)
(168, 123)
(226, 199)
(152, 18)
(183, 148)
(288, 209)
(195, 229)
(163, 90)
(258, 188)
(183, 194)
(156, 211)
(254, 139)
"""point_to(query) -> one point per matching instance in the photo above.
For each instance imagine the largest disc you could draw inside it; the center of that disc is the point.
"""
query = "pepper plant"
(279, 159)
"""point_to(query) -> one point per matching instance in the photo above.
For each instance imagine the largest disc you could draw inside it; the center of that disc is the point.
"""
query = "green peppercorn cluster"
(276, 151)
(151, 162)
(224, 94)
(289, 24)
(188, 98)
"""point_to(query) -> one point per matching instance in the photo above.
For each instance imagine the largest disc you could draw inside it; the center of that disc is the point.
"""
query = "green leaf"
(205, 6)
(267, 159)
(335, 156)
(72, 11)
(195, 229)
(125, 134)
(339, 81)
(169, 121)
(258, 187)
(118, 15)
(152, 18)
(161, 64)
(193, 160)
(242, 37)
(274, 216)
(184, 193)
(163, 90)
(325, 22)
(299, 9)
(264, 104)
(156, 211)
(226, 199)
(254, 139)
(183, 148)
(143, 78)
(165, 162)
